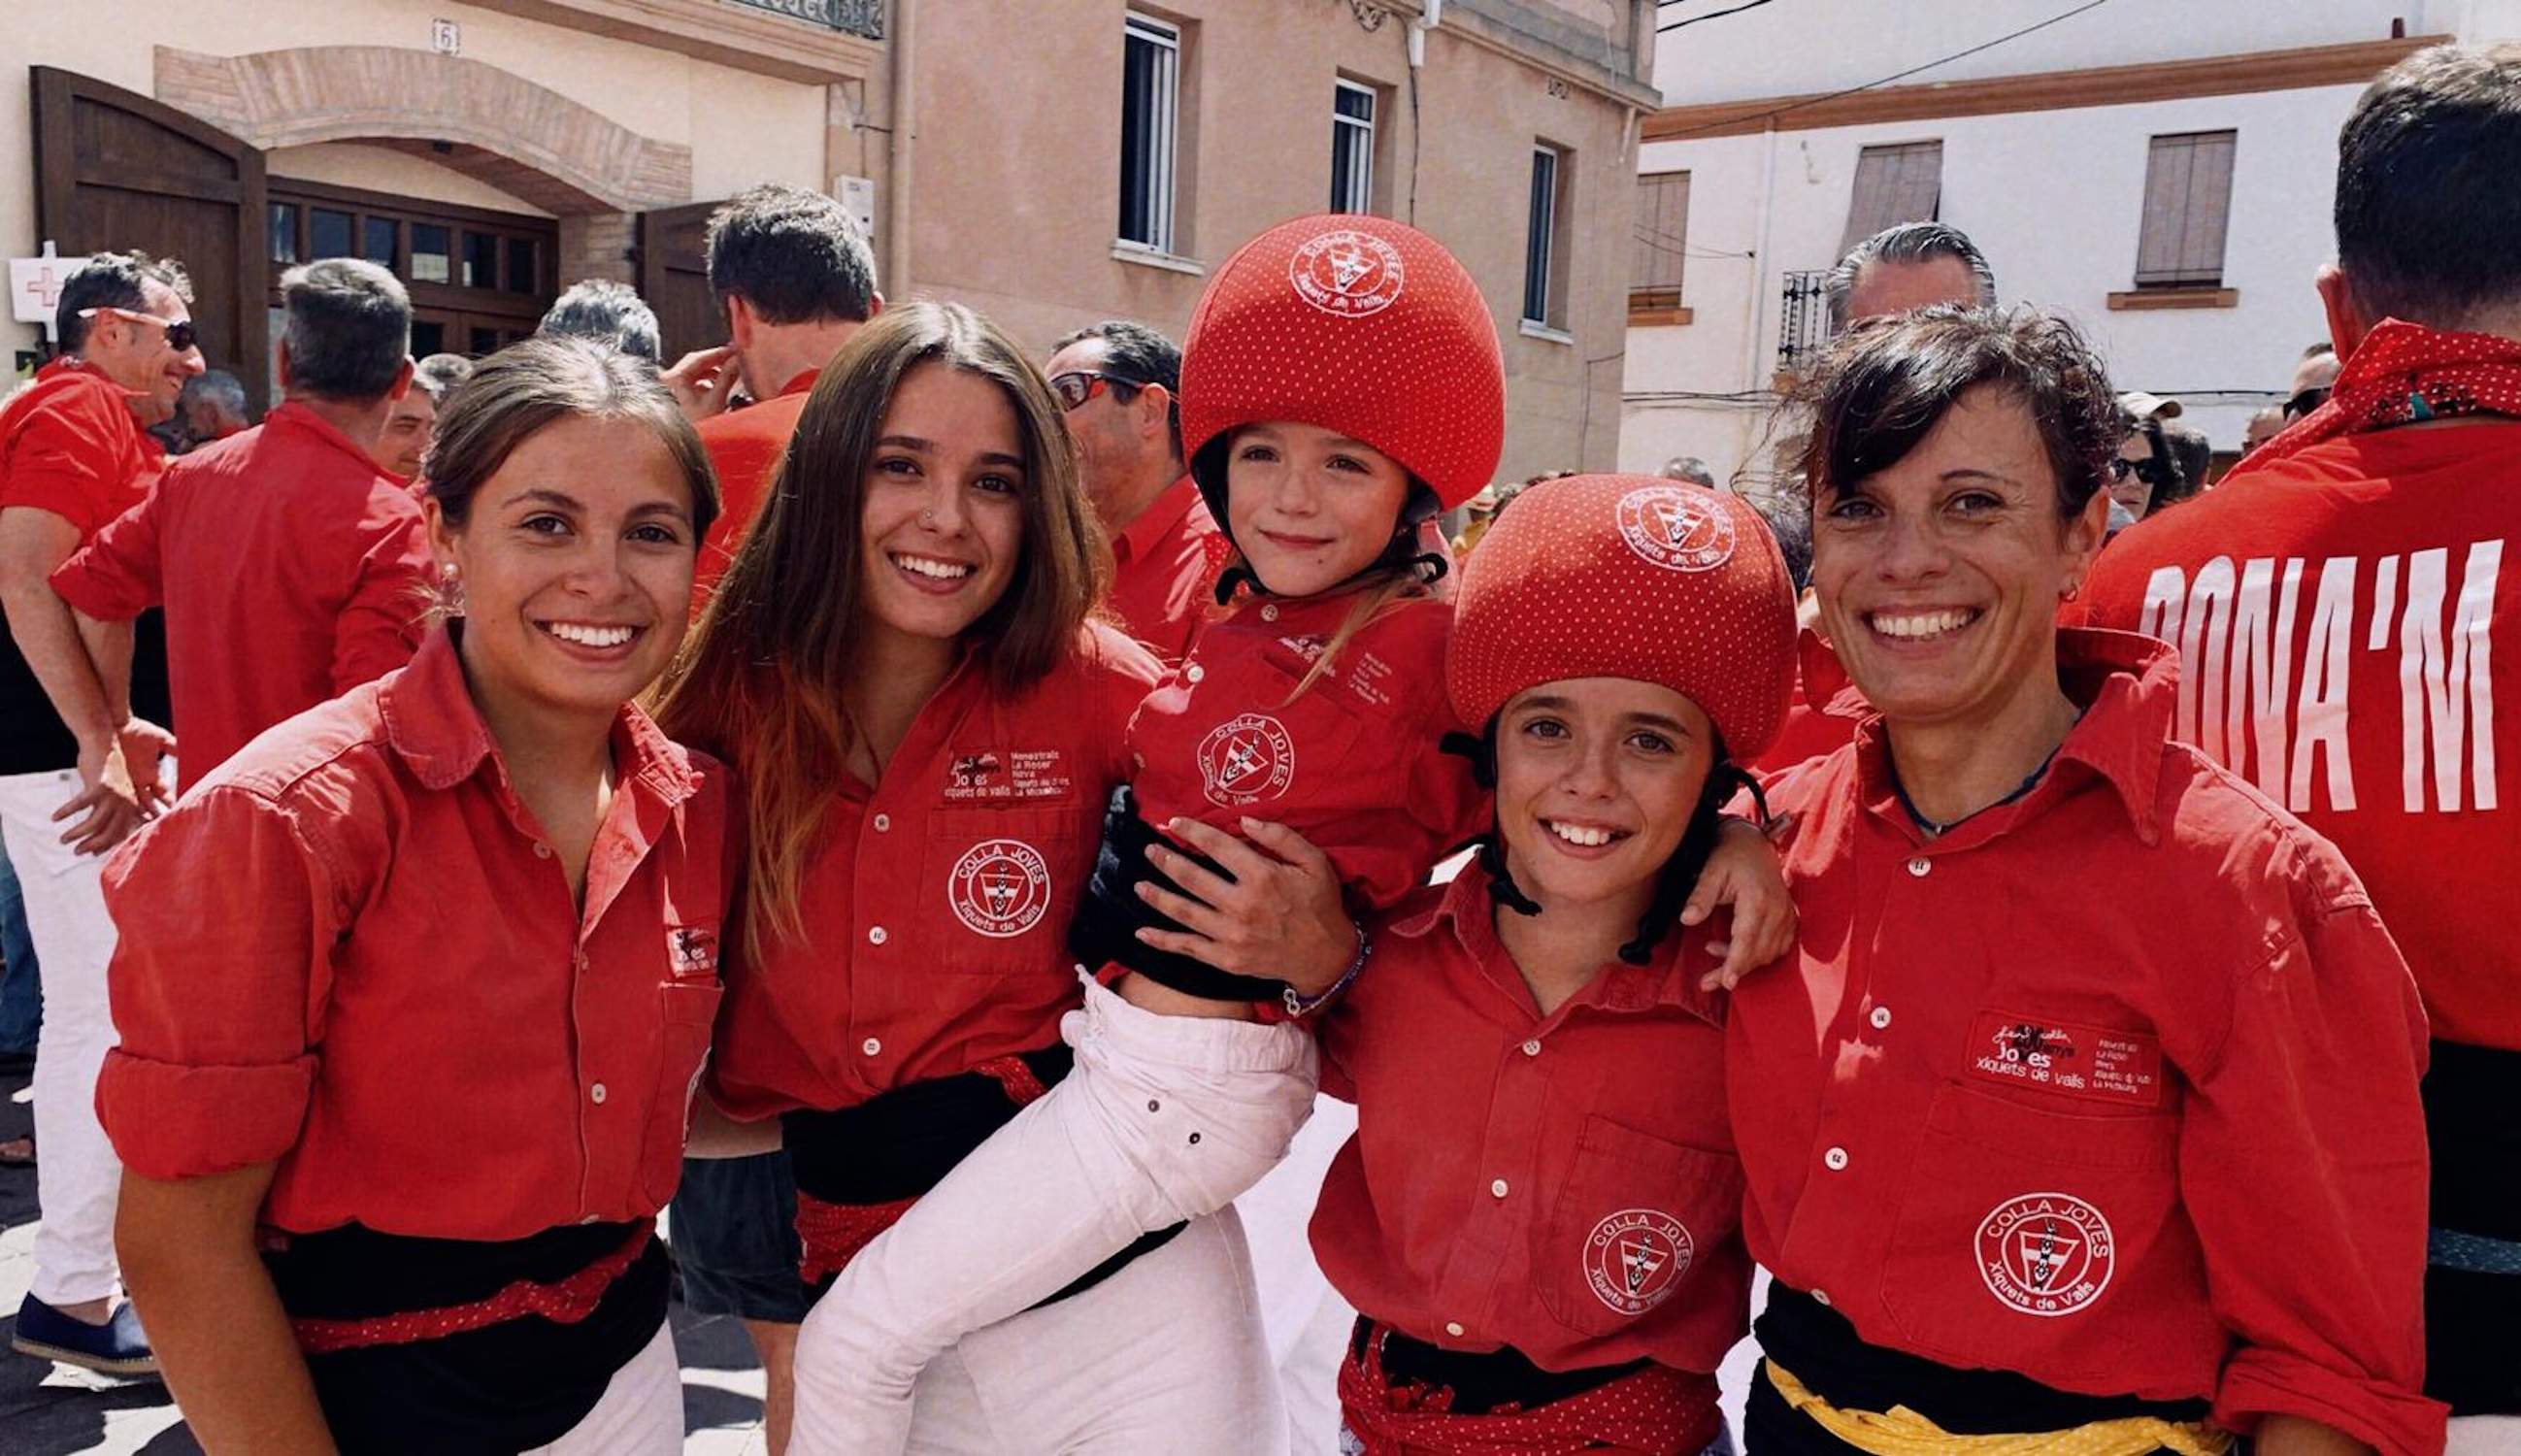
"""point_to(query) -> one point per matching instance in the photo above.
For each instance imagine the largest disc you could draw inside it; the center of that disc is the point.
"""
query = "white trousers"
(1308, 1321)
(640, 1414)
(78, 1177)
(1164, 1120)
(2485, 1436)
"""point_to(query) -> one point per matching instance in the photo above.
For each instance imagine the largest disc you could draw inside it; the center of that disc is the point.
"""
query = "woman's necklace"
(1936, 829)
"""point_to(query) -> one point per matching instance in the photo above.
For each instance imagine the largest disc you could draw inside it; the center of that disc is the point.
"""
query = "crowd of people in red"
(918, 828)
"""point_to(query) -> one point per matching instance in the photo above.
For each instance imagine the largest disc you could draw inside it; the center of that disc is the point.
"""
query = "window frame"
(1653, 295)
(1889, 215)
(1355, 137)
(1545, 240)
(2183, 274)
(1163, 126)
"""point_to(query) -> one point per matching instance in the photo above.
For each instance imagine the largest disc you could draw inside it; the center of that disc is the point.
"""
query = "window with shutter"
(1894, 184)
(2187, 210)
(1659, 241)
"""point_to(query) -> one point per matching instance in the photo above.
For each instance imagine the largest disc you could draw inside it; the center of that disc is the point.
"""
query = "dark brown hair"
(762, 678)
(1888, 382)
(2427, 209)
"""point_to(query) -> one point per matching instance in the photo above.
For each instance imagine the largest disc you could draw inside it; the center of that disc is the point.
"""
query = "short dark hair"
(1906, 243)
(794, 255)
(1792, 527)
(608, 313)
(437, 374)
(112, 280)
(1885, 386)
(1688, 468)
(2426, 206)
(2195, 454)
(348, 329)
(1135, 354)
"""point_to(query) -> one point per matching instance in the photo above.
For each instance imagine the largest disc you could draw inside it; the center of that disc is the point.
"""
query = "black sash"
(1109, 917)
(2470, 1313)
(1480, 1383)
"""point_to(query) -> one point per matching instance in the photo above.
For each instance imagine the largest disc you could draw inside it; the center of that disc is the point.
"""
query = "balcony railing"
(859, 17)
(1803, 322)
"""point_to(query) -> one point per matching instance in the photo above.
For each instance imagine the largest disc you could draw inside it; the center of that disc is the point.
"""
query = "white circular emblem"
(1635, 1257)
(2046, 1254)
(1000, 887)
(1246, 761)
(1345, 272)
(1675, 528)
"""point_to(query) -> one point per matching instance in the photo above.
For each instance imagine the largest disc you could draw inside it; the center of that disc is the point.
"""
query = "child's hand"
(1743, 873)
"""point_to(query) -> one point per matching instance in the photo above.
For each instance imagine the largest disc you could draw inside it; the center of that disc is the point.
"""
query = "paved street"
(49, 1410)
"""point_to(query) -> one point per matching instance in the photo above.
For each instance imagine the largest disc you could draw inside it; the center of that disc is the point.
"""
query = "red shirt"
(350, 950)
(1562, 1184)
(1350, 763)
(936, 902)
(2114, 1085)
(745, 448)
(1822, 716)
(293, 570)
(2335, 610)
(1165, 571)
(69, 445)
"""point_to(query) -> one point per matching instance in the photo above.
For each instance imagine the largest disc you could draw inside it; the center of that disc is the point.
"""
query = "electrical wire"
(1713, 15)
(1796, 105)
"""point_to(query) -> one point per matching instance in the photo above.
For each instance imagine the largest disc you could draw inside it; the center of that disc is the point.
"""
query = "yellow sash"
(1901, 1431)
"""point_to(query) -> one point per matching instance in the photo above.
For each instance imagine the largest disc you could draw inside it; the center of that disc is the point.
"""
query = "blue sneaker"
(115, 1348)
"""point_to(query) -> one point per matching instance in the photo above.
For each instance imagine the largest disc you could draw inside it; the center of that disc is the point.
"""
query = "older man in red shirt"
(2335, 602)
(292, 567)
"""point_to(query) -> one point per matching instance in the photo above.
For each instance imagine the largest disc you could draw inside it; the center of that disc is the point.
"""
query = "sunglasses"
(1078, 386)
(2149, 469)
(180, 333)
(2304, 402)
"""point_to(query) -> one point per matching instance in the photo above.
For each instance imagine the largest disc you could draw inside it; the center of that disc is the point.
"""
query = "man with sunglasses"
(2313, 378)
(2145, 476)
(1118, 381)
(78, 771)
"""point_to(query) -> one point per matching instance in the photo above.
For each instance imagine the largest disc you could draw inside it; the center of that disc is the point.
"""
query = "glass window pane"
(1137, 139)
(432, 258)
(522, 274)
(1348, 101)
(428, 337)
(328, 233)
(480, 260)
(485, 342)
(378, 241)
(1535, 240)
(284, 232)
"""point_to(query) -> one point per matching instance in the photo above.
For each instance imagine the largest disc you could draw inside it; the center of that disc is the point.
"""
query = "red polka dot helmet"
(1354, 324)
(1629, 577)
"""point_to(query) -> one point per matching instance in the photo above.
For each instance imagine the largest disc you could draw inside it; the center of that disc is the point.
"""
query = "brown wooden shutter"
(1659, 251)
(673, 277)
(1894, 184)
(2187, 210)
(116, 170)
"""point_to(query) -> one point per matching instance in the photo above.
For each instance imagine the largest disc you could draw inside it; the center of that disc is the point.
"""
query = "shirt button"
(1920, 866)
(1270, 613)
(878, 935)
(1881, 1018)
(578, 960)
(1835, 1157)
(1453, 1327)
(1498, 1188)
(1194, 672)
(1532, 1048)
(596, 1092)
(883, 822)
(1820, 1298)
(1138, 760)
(542, 851)
(870, 1046)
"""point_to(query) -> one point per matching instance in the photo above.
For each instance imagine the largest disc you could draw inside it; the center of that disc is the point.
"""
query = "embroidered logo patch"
(1247, 759)
(1000, 887)
(990, 774)
(691, 950)
(1675, 528)
(2046, 1254)
(2098, 1063)
(1345, 272)
(1635, 1257)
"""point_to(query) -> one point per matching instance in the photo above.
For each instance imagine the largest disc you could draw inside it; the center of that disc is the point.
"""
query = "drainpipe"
(897, 226)
(1430, 16)
(1755, 347)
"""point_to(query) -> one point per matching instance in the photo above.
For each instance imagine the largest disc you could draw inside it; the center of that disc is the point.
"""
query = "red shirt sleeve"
(116, 576)
(380, 626)
(68, 459)
(218, 986)
(2303, 1165)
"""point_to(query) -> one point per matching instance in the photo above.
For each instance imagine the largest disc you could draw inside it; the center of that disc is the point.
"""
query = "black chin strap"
(1428, 567)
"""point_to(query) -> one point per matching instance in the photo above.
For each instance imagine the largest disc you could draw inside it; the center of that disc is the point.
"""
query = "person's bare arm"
(144, 743)
(2296, 1435)
(715, 1134)
(214, 1317)
(32, 542)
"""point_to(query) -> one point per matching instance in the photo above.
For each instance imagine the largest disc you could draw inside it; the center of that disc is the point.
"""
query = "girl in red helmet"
(1538, 1218)
(1340, 385)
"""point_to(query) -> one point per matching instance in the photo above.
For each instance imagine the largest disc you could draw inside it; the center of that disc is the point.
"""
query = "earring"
(2073, 589)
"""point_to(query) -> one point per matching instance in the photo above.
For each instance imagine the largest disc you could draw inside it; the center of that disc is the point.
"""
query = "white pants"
(641, 1412)
(2485, 1436)
(1307, 1321)
(78, 1177)
(1164, 1120)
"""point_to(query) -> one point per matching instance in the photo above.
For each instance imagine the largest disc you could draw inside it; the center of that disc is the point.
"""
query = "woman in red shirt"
(2086, 1114)
(1537, 1216)
(414, 990)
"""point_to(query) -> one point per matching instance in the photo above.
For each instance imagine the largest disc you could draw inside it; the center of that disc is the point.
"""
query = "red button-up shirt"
(1165, 570)
(293, 570)
(1564, 1184)
(2113, 1085)
(745, 448)
(69, 445)
(936, 902)
(2335, 610)
(1351, 764)
(351, 950)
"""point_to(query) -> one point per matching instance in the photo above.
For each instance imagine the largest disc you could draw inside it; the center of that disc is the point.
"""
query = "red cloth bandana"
(2402, 373)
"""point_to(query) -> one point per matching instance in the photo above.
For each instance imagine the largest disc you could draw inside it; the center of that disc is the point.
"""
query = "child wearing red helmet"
(1538, 1218)
(1341, 384)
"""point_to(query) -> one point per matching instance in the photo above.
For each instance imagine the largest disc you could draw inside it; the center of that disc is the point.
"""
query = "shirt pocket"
(1632, 1221)
(997, 888)
(688, 1016)
(2015, 1224)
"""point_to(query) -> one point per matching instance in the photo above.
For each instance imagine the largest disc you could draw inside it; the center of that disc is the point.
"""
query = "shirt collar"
(1468, 908)
(431, 721)
(1162, 515)
(801, 383)
(292, 415)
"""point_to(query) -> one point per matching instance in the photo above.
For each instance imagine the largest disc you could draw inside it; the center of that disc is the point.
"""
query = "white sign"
(857, 199)
(446, 37)
(36, 287)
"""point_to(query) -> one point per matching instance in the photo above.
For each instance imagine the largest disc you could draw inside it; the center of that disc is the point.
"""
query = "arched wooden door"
(115, 169)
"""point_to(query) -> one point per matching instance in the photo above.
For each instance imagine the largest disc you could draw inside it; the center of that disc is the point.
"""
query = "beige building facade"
(1048, 161)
